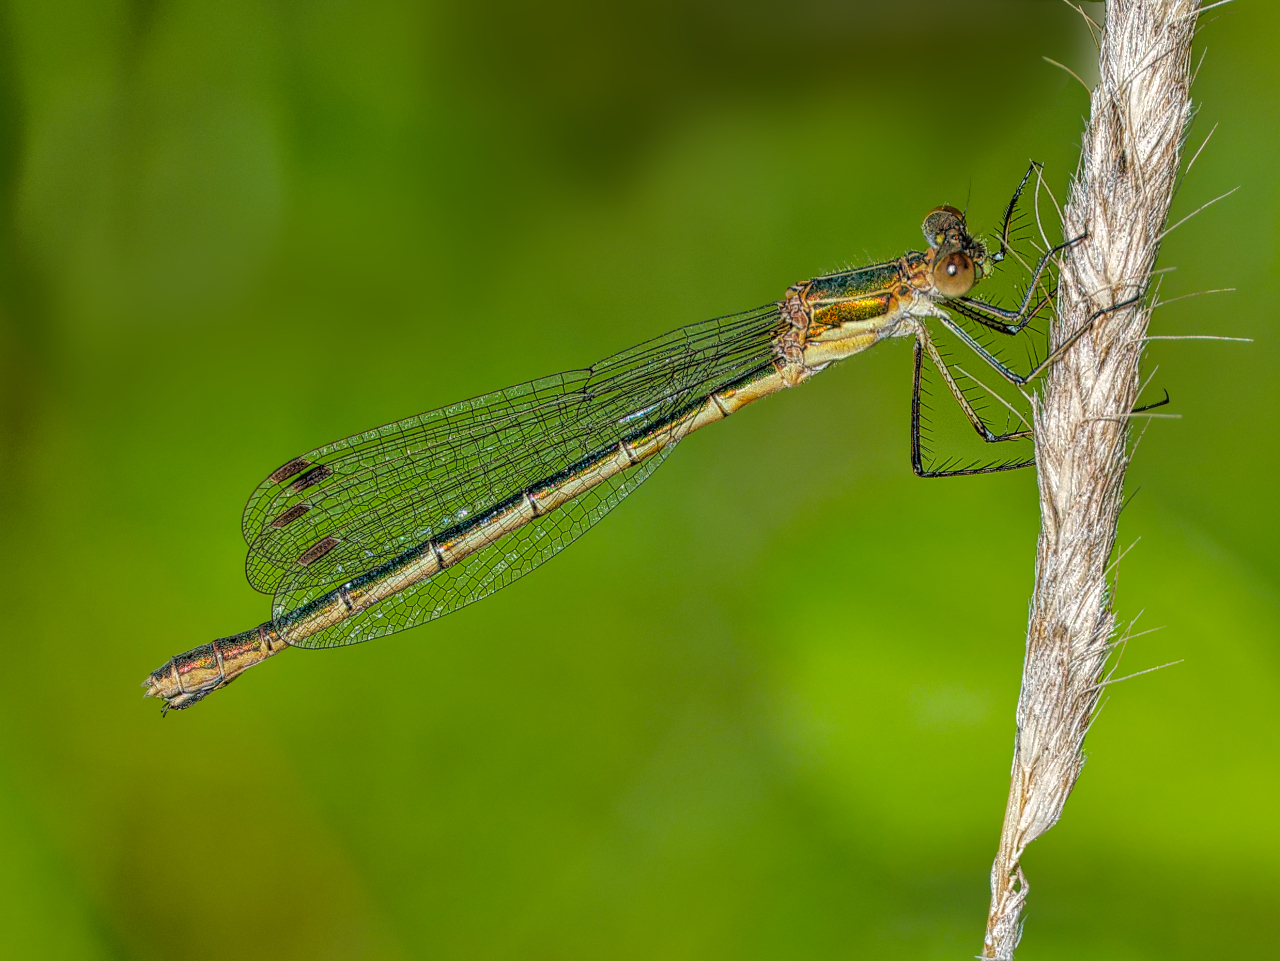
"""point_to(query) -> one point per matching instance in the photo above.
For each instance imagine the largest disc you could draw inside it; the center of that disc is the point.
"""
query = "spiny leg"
(1062, 348)
(1009, 211)
(974, 418)
(1000, 318)
(962, 307)
(924, 343)
(1146, 407)
(1011, 321)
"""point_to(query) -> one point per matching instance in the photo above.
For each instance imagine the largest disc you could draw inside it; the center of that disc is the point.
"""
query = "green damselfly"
(388, 529)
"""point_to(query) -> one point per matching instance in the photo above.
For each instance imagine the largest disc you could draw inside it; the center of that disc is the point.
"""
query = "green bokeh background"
(765, 710)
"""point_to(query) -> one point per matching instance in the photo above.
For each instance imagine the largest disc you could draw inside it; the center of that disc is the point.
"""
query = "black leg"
(1159, 403)
(966, 310)
(1018, 379)
(1009, 211)
(975, 420)
(924, 343)
(999, 318)
(1015, 320)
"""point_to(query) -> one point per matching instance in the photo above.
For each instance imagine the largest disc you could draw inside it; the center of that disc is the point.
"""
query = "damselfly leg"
(998, 319)
(1022, 379)
(924, 344)
(1002, 319)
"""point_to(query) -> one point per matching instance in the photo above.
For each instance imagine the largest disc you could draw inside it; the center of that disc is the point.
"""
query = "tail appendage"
(187, 678)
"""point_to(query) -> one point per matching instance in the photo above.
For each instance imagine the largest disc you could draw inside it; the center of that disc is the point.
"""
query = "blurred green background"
(765, 710)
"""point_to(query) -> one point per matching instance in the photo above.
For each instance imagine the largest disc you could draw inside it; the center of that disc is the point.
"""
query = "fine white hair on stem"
(1196, 156)
(1130, 154)
(1196, 211)
(1063, 66)
(1106, 682)
(1242, 340)
(1095, 31)
(1217, 290)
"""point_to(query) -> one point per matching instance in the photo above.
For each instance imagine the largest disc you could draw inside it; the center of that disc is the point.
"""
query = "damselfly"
(394, 527)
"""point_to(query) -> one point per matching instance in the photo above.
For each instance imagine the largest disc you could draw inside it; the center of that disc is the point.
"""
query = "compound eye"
(940, 223)
(953, 276)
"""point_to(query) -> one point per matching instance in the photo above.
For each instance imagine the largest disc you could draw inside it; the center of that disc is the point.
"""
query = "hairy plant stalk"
(1120, 200)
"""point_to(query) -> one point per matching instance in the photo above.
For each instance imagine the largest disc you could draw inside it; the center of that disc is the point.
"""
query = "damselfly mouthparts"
(399, 525)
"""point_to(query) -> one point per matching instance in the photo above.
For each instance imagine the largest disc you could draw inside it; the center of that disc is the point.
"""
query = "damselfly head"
(955, 257)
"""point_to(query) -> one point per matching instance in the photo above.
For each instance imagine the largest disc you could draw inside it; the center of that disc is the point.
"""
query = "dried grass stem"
(1120, 198)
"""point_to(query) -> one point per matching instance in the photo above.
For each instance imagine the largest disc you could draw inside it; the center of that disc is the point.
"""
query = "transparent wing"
(342, 509)
(477, 575)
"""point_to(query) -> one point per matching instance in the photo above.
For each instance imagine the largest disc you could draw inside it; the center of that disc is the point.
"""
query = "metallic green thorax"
(877, 278)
